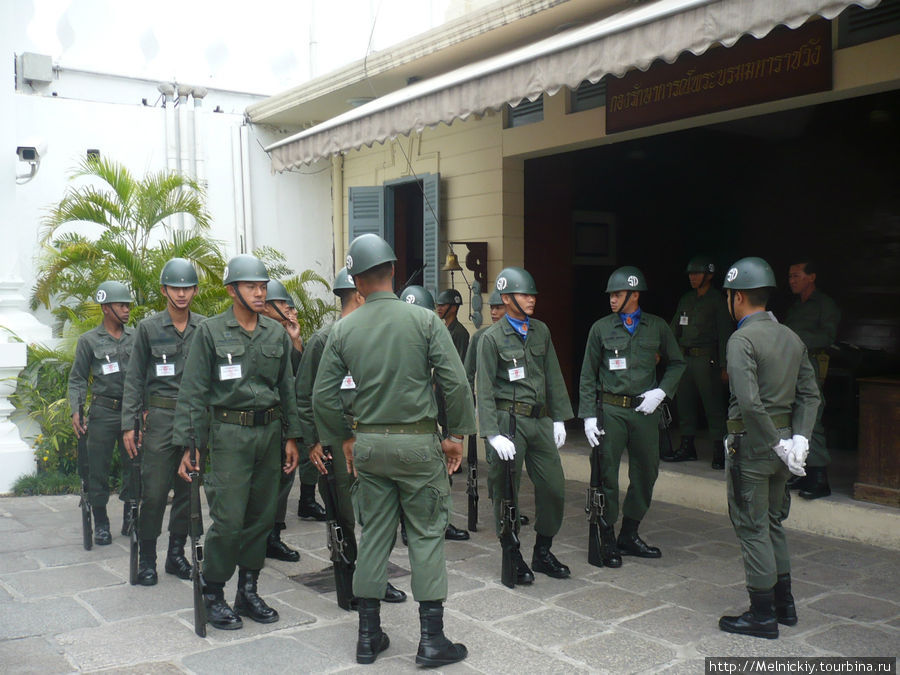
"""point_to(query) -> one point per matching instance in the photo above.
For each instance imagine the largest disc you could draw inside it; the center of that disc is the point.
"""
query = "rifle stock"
(133, 504)
(509, 526)
(472, 483)
(196, 545)
(84, 472)
(343, 567)
(665, 438)
(595, 504)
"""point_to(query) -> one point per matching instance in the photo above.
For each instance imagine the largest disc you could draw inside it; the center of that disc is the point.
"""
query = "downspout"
(182, 124)
(168, 104)
(199, 139)
(337, 209)
(245, 187)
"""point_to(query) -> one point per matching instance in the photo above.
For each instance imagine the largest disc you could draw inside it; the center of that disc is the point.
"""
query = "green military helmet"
(244, 267)
(495, 298)
(178, 273)
(343, 281)
(368, 251)
(702, 264)
(275, 290)
(449, 296)
(749, 273)
(628, 278)
(515, 280)
(418, 295)
(112, 291)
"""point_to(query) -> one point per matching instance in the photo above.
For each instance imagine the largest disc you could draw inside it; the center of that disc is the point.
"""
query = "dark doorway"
(404, 205)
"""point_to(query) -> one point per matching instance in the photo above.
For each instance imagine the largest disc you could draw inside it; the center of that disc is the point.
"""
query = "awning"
(630, 39)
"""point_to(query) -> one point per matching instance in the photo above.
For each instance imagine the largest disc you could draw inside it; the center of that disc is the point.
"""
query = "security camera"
(32, 151)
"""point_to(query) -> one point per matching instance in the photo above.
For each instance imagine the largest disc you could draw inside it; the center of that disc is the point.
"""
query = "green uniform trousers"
(537, 450)
(160, 460)
(308, 476)
(818, 449)
(408, 472)
(242, 490)
(104, 434)
(638, 432)
(701, 383)
(758, 515)
(344, 482)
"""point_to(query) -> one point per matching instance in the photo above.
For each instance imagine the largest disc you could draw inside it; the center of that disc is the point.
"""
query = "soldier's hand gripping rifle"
(595, 505)
(132, 505)
(196, 546)
(472, 482)
(342, 565)
(509, 516)
(84, 472)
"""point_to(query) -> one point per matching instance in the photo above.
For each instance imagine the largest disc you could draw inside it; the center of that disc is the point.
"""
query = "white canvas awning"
(630, 39)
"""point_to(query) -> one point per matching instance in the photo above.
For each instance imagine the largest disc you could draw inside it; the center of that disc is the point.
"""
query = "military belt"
(736, 426)
(161, 402)
(698, 351)
(247, 418)
(622, 401)
(426, 426)
(523, 409)
(107, 402)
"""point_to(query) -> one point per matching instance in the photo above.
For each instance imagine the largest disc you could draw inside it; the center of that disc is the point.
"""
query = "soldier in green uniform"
(701, 326)
(770, 415)
(238, 390)
(498, 311)
(161, 345)
(518, 374)
(814, 317)
(619, 369)
(393, 349)
(351, 300)
(101, 360)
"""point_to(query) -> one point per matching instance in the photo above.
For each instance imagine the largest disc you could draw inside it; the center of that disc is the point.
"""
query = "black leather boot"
(176, 563)
(146, 575)
(102, 535)
(542, 560)
(798, 482)
(248, 603)
(630, 543)
(218, 613)
(524, 575)
(758, 621)
(685, 452)
(308, 508)
(453, 533)
(434, 647)
(785, 610)
(609, 550)
(718, 458)
(817, 484)
(371, 640)
(277, 549)
(392, 594)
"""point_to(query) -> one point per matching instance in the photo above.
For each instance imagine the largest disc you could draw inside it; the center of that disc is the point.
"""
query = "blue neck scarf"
(630, 321)
(520, 326)
(741, 322)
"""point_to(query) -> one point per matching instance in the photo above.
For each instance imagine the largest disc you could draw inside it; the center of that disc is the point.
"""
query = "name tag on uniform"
(618, 363)
(109, 368)
(230, 372)
(347, 382)
(165, 369)
(517, 373)
(683, 320)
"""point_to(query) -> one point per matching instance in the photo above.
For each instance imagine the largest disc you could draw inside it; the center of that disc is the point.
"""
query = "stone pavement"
(63, 609)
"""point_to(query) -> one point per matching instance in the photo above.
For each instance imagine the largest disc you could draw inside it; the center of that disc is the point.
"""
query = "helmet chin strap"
(237, 292)
(278, 311)
(731, 304)
(625, 302)
(518, 307)
(116, 314)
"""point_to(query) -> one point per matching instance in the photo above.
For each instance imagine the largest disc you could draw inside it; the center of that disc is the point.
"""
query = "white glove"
(559, 434)
(592, 432)
(784, 449)
(797, 458)
(651, 401)
(505, 448)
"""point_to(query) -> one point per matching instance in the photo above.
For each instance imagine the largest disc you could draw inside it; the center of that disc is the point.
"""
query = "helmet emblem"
(225, 275)
(501, 283)
(411, 299)
(101, 295)
(349, 279)
(349, 262)
(732, 274)
(632, 281)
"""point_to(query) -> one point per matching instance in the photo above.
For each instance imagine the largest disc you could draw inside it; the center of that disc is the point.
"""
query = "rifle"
(665, 438)
(84, 471)
(472, 482)
(133, 503)
(196, 545)
(509, 517)
(595, 504)
(343, 566)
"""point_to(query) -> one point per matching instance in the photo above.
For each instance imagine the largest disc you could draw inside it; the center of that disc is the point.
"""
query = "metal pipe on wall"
(337, 209)
(245, 186)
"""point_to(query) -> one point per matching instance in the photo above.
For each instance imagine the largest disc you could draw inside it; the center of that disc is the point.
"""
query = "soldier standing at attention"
(101, 360)
(518, 374)
(393, 349)
(702, 326)
(161, 345)
(351, 300)
(773, 394)
(814, 317)
(620, 368)
(239, 368)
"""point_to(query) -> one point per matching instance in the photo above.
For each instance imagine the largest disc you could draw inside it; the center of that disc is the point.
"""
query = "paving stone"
(26, 540)
(42, 617)
(882, 581)
(605, 602)
(676, 625)
(491, 604)
(546, 588)
(9, 524)
(619, 651)
(396, 664)
(16, 562)
(717, 549)
(149, 668)
(549, 627)
(289, 617)
(714, 571)
(703, 597)
(720, 643)
(637, 578)
(321, 605)
(686, 667)
(844, 558)
(458, 583)
(59, 580)
(127, 601)
(463, 550)
(857, 607)
(854, 640)
(32, 655)
(70, 554)
(268, 655)
(829, 576)
(339, 642)
(671, 557)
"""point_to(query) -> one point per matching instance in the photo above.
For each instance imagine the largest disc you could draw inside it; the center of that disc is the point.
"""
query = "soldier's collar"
(381, 295)
(230, 318)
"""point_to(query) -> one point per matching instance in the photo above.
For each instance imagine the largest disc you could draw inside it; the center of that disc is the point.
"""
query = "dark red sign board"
(783, 64)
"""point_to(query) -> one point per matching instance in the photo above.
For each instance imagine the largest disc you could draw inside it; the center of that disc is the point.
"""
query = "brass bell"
(451, 264)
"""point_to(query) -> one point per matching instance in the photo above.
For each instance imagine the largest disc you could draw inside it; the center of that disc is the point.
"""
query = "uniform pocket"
(438, 505)
(160, 349)
(270, 362)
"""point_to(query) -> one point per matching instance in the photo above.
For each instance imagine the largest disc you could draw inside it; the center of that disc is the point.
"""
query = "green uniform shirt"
(460, 337)
(702, 321)
(391, 348)
(501, 349)
(815, 321)
(95, 349)
(471, 359)
(265, 381)
(609, 339)
(157, 362)
(769, 374)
